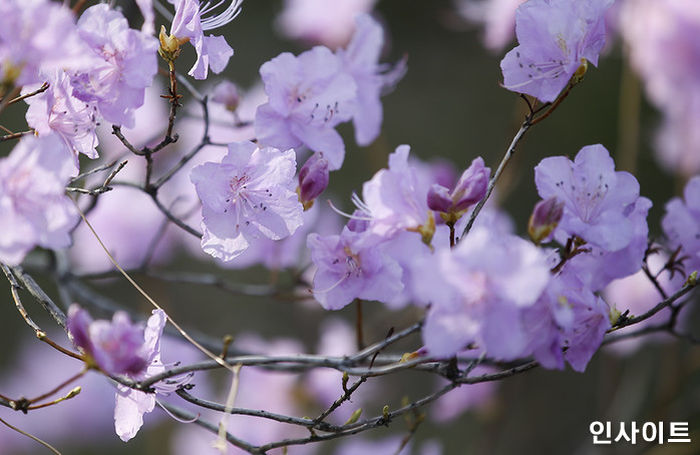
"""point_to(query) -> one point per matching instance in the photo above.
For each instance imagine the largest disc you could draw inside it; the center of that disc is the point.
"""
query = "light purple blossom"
(350, 266)
(567, 315)
(396, 198)
(320, 21)
(598, 266)
(361, 61)
(497, 16)
(478, 291)
(190, 23)
(57, 110)
(149, 17)
(226, 93)
(34, 209)
(36, 36)
(132, 404)
(248, 195)
(116, 347)
(597, 199)
(555, 38)
(308, 96)
(681, 224)
(660, 40)
(123, 64)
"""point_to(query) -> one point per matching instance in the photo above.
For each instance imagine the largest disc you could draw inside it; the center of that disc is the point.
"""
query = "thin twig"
(31, 436)
(18, 135)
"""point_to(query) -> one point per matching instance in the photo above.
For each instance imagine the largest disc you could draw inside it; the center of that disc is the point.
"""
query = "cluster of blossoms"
(416, 235)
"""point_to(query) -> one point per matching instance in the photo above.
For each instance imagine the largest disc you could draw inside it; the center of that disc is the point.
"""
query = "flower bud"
(439, 198)
(226, 93)
(545, 218)
(169, 45)
(358, 222)
(471, 187)
(313, 179)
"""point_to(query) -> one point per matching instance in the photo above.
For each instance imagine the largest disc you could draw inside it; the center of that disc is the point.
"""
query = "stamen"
(347, 215)
(345, 276)
(194, 419)
(218, 20)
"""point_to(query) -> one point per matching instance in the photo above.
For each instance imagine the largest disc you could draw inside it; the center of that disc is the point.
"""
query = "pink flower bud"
(545, 218)
(470, 189)
(471, 186)
(439, 198)
(313, 178)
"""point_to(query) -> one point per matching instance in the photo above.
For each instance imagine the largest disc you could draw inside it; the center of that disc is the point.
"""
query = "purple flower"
(226, 93)
(308, 96)
(34, 209)
(57, 110)
(681, 224)
(361, 61)
(115, 347)
(469, 190)
(497, 16)
(190, 24)
(660, 40)
(313, 179)
(396, 198)
(320, 21)
(146, 8)
(478, 291)
(350, 266)
(597, 199)
(556, 38)
(567, 315)
(248, 195)
(545, 218)
(36, 36)
(124, 62)
(132, 404)
(598, 266)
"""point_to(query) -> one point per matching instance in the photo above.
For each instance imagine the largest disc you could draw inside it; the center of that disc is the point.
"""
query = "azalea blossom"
(350, 266)
(396, 198)
(556, 40)
(321, 21)
(132, 404)
(478, 291)
(123, 63)
(34, 208)
(57, 110)
(308, 96)
(116, 346)
(190, 23)
(681, 224)
(596, 197)
(361, 61)
(248, 195)
(37, 36)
